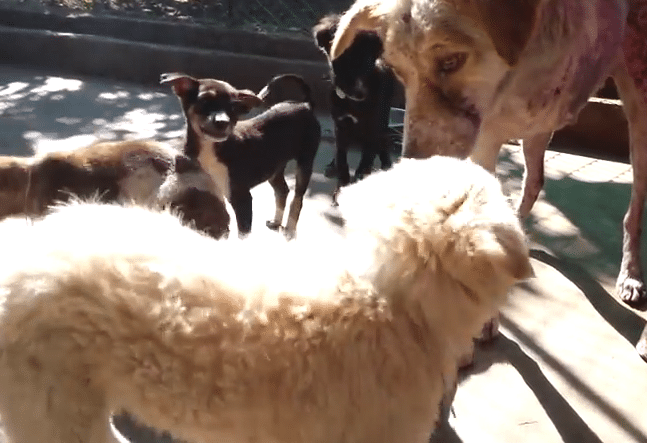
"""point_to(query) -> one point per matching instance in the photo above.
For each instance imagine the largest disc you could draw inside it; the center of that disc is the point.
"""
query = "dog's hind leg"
(534, 149)
(281, 190)
(303, 174)
(630, 286)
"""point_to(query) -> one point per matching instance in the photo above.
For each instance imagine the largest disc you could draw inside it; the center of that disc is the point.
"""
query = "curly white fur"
(105, 308)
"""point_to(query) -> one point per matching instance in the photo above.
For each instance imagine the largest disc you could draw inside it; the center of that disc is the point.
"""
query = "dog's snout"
(360, 91)
(220, 120)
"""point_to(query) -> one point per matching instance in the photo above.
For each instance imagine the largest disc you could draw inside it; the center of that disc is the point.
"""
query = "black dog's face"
(211, 107)
(349, 70)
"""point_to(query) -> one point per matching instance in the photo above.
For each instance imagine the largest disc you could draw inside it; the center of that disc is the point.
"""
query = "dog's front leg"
(341, 156)
(241, 203)
(534, 149)
(342, 141)
(630, 286)
(365, 165)
(385, 151)
(486, 151)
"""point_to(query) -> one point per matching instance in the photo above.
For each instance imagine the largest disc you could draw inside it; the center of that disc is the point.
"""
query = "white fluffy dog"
(106, 309)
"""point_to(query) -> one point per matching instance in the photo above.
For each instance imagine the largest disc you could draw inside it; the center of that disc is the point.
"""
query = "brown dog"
(142, 172)
(242, 154)
(478, 73)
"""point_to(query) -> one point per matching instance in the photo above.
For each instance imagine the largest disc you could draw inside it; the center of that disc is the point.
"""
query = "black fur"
(361, 95)
(253, 150)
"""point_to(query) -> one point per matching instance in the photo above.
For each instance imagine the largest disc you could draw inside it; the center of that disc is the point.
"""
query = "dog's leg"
(304, 171)
(341, 157)
(330, 170)
(630, 286)
(534, 149)
(241, 203)
(385, 151)
(486, 152)
(365, 165)
(341, 160)
(281, 190)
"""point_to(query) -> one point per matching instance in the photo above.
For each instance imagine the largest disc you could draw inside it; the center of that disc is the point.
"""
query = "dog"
(240, 154)
(360, 98)
(169, 325)
(143, 172)
(478, 73)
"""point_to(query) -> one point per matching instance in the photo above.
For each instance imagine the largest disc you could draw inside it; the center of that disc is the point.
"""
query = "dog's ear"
(509, 24)
(324, 31)
(247, 100)
(364, 15)
(182, 84)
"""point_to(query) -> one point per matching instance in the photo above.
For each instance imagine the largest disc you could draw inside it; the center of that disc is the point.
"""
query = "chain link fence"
(254, 15)
(290, 15)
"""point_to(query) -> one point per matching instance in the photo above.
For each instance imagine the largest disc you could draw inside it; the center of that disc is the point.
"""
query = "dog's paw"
(641, 347)
(273, 225)
(631, 290)
(289, 234)
(335, 196)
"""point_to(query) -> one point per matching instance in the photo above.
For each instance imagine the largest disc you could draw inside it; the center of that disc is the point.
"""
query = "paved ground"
(564, 369)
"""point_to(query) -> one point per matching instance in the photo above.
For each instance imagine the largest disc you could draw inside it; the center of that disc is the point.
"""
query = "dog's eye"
(451, 63)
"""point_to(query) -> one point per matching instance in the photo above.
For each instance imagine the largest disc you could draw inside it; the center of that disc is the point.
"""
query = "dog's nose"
(220, 120)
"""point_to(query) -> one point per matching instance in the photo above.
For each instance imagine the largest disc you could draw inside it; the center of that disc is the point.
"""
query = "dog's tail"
(281, 88)
(15, 180)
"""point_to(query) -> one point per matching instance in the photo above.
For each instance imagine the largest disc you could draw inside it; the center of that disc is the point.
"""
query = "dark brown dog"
(242, 154)
(361, 95)
(142, 172)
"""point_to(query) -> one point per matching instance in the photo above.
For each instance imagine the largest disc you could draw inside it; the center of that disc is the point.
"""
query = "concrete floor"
(564, 368)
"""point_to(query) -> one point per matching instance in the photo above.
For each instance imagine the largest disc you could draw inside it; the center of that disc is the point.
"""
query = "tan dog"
(141, 172)
(480, 72)
(180, 334)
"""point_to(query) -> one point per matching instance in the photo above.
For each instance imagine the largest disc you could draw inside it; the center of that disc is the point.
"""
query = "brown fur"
(478, 73)
(128, 171)
(182, 336)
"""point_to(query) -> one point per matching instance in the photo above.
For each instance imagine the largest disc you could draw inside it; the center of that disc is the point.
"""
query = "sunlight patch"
(147, 96)
(69, 120)
(12, 88)
(57, 84)
(140, 122)
(111, 96)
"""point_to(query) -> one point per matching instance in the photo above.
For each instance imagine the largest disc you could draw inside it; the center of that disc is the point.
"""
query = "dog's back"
(286, 131)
